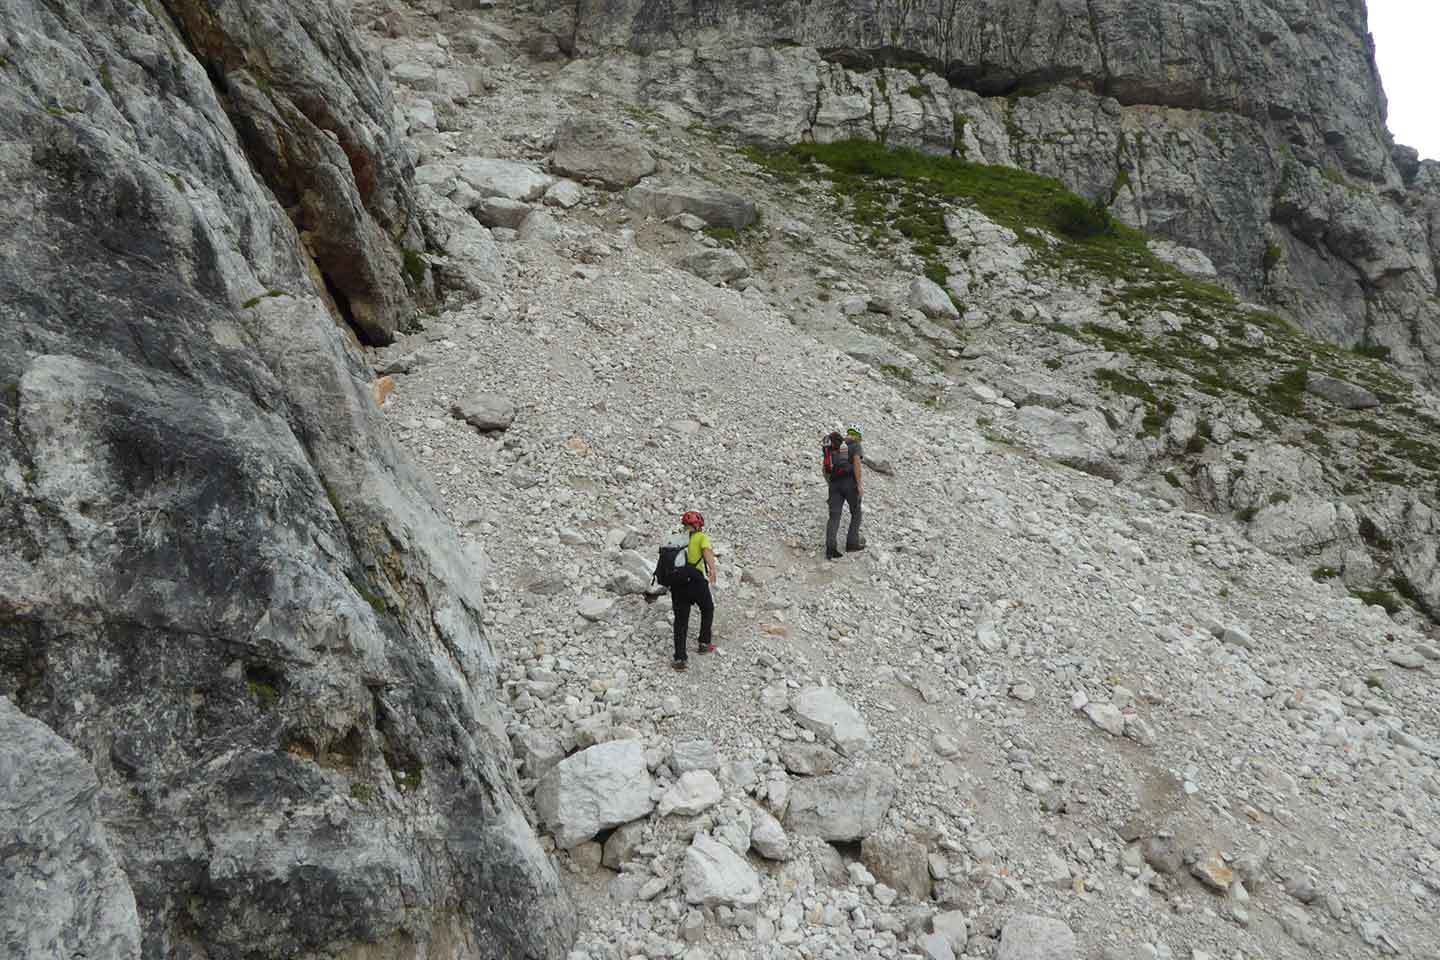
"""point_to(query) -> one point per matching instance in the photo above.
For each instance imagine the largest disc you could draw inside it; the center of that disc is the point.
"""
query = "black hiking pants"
(842, 491)
(695, 592)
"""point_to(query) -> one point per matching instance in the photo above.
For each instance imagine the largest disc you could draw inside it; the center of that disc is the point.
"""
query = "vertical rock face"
(1251, 129)
(223, 584)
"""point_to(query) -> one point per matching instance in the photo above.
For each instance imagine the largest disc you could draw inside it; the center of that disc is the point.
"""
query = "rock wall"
(1251, 130)
(63, 891)
(224, 586)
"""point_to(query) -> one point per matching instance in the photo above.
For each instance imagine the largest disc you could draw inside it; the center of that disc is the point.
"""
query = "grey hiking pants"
(843, 491)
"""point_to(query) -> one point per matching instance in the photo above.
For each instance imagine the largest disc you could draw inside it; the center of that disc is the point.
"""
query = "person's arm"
(710, 564)
(857, 460)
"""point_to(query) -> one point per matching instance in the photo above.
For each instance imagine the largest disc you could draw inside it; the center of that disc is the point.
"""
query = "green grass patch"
(254, 301)
(363, 792)
(1321, 574)
(265, 694)
(1379, 598)
(415, 268)
(1287, 394)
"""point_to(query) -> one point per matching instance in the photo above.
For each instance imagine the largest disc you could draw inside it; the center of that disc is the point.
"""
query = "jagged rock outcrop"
(224, 585)
(1251, 129)
(315, 118)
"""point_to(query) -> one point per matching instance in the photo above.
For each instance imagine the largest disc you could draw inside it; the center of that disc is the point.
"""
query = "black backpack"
(672, 567)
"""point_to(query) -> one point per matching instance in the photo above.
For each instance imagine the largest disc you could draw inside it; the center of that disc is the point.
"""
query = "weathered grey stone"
(501, 212)
(538, 751)
(718, 265)
(502, 178)
(1183, 258)
(808, 759)
(540, 227)
(469, 260)
(1028, 937)
(621, 845)
(689, 755)
(842, 807)
(715, 875)
(954, 927)
(600, 787)
(590, 148)
(899, 862)
(718, 208)
(485, 411)
(824, 711)
(768, 837)
(1342, 394)
(931, 299)
(62, 891)
(935, 946)
(694, 793)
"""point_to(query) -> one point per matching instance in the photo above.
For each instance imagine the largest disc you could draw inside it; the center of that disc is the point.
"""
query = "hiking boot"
(833, 554)
(855, 549)
(680, 664)
(706, 648)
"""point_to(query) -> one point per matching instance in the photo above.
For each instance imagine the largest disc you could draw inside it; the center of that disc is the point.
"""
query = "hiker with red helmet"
(694, 590)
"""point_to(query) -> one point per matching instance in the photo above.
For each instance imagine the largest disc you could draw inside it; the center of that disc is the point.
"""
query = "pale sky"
(1407, 35)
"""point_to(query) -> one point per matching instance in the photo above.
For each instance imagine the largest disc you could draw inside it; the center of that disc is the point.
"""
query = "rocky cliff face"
(224, 586)
(1253, 130)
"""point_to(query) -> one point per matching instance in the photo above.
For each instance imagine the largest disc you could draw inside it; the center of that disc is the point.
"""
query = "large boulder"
(598, 788)
(62, 892)
(1348, 395)
(715, 875)
(841, 807)
(590, 148)
(930, 298)
(695, 792)
(485, 411)
(718, 265)
(718, 208)
(470, 260)
(223, 582)
(898, 862)
(1027, 937)
(824, 711)
(490, 177)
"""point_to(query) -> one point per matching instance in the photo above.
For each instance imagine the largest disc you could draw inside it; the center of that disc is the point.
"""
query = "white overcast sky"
(1407, 48)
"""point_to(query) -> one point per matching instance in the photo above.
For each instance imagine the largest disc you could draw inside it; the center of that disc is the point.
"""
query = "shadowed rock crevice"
(314, 121)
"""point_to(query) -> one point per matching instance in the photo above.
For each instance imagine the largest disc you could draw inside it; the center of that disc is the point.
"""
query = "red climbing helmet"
(692, 518)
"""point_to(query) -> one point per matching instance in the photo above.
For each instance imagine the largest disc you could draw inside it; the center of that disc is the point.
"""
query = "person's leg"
(852, 536)
(707, 615)
(832, 528)
(680, 602)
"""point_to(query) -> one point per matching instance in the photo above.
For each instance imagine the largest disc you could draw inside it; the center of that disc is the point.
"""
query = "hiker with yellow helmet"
(843, 469)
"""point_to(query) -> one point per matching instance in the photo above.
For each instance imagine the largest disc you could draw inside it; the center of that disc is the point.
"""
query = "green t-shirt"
(695, 552)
